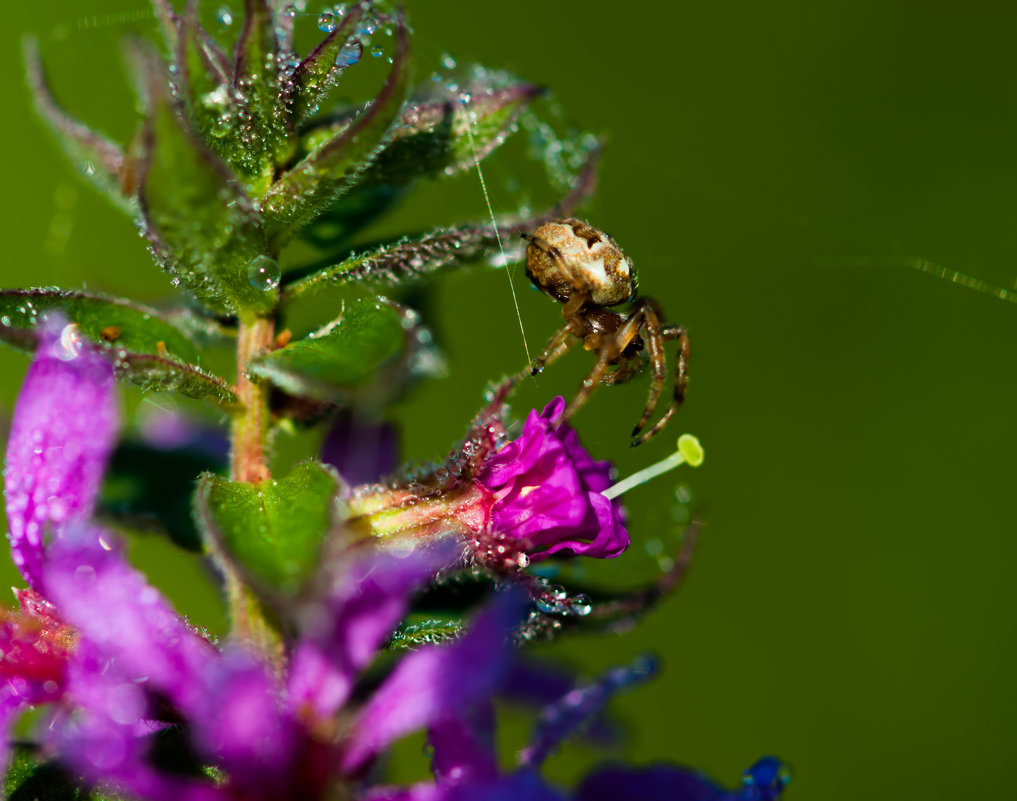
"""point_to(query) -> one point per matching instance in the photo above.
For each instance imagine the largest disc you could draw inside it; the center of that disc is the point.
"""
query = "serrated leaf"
(256, 79)
(313, 77)
(315, 183)
(368, 349)
(202, 226)
(443, 137)
(146, 349)
(441, 249)
(208, 87)
(99, 159)
(274, 529)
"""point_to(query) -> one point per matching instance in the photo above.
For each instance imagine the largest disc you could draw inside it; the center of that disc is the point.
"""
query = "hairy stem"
(248, 462)
(250, 426)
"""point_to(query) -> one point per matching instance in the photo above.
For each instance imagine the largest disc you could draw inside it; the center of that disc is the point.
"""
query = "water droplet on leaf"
(264, 273)
(225, 16)
(349, 54)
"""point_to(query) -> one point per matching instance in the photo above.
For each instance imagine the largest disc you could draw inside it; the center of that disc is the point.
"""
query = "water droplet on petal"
(84, 574)
(326, 22)
(264, 273)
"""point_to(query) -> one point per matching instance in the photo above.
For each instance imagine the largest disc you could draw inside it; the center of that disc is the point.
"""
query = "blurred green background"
(773, 169)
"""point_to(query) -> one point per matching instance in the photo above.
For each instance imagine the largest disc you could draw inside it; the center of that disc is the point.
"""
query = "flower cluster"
(365, 601)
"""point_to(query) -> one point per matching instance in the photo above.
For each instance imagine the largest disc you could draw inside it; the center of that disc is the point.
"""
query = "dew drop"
(326, 22)
(368, 26)
(581, 605)
(377, 51)
(264, 273)
(84, 574)
(447, 61)
(349, 54)
(225, 16)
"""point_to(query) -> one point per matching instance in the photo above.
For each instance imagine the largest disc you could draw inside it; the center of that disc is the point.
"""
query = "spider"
(584, 269)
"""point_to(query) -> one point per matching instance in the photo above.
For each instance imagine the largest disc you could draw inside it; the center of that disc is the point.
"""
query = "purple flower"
(61, 437)
(548, 490)
(118, 665)
(466, 769)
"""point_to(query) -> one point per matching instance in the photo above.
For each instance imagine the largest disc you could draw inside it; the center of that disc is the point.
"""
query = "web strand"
(497, 235)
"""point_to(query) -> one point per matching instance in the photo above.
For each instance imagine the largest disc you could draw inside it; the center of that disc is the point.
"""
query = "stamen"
(689, 452)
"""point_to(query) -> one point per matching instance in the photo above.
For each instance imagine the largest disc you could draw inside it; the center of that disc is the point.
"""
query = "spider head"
(569, 256)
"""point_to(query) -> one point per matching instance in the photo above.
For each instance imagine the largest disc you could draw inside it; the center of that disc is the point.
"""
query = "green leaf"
(274, 529)
(367, 350)
(208, 87)
(444, 137)
(258, 82)
(100, 160)
(428, 632)
(313, 77)
(441, 249)
(316, 182)
(146, 349)
(202, 226)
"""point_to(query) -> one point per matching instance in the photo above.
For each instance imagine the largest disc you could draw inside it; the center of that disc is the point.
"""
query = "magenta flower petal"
(549, 491)
(342, 636)
(63, 430)
(435, 682)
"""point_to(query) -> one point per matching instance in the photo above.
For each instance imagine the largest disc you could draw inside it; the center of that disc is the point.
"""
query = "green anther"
(690, 449)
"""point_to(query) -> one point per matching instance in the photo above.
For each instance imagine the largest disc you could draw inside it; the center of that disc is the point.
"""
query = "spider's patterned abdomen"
(568, 256)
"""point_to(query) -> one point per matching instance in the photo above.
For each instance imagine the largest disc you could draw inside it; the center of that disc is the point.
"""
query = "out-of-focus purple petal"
(63, 430)
(522, 786)
(463, 747)
(112, 606)
(578, 706)
(172, 430)
(244, 726)
(654, 783)
(340, 637)
(106, 738)
(764, 781)
(361, 449)
(435, 682)
(418, 792)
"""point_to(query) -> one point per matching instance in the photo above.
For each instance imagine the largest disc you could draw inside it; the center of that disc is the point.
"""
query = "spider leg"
(658, 361)
(560, 344)
(681, 378)
(610, 349)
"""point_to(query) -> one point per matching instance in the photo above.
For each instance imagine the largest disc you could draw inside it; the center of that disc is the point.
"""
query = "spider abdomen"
(569, 256)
